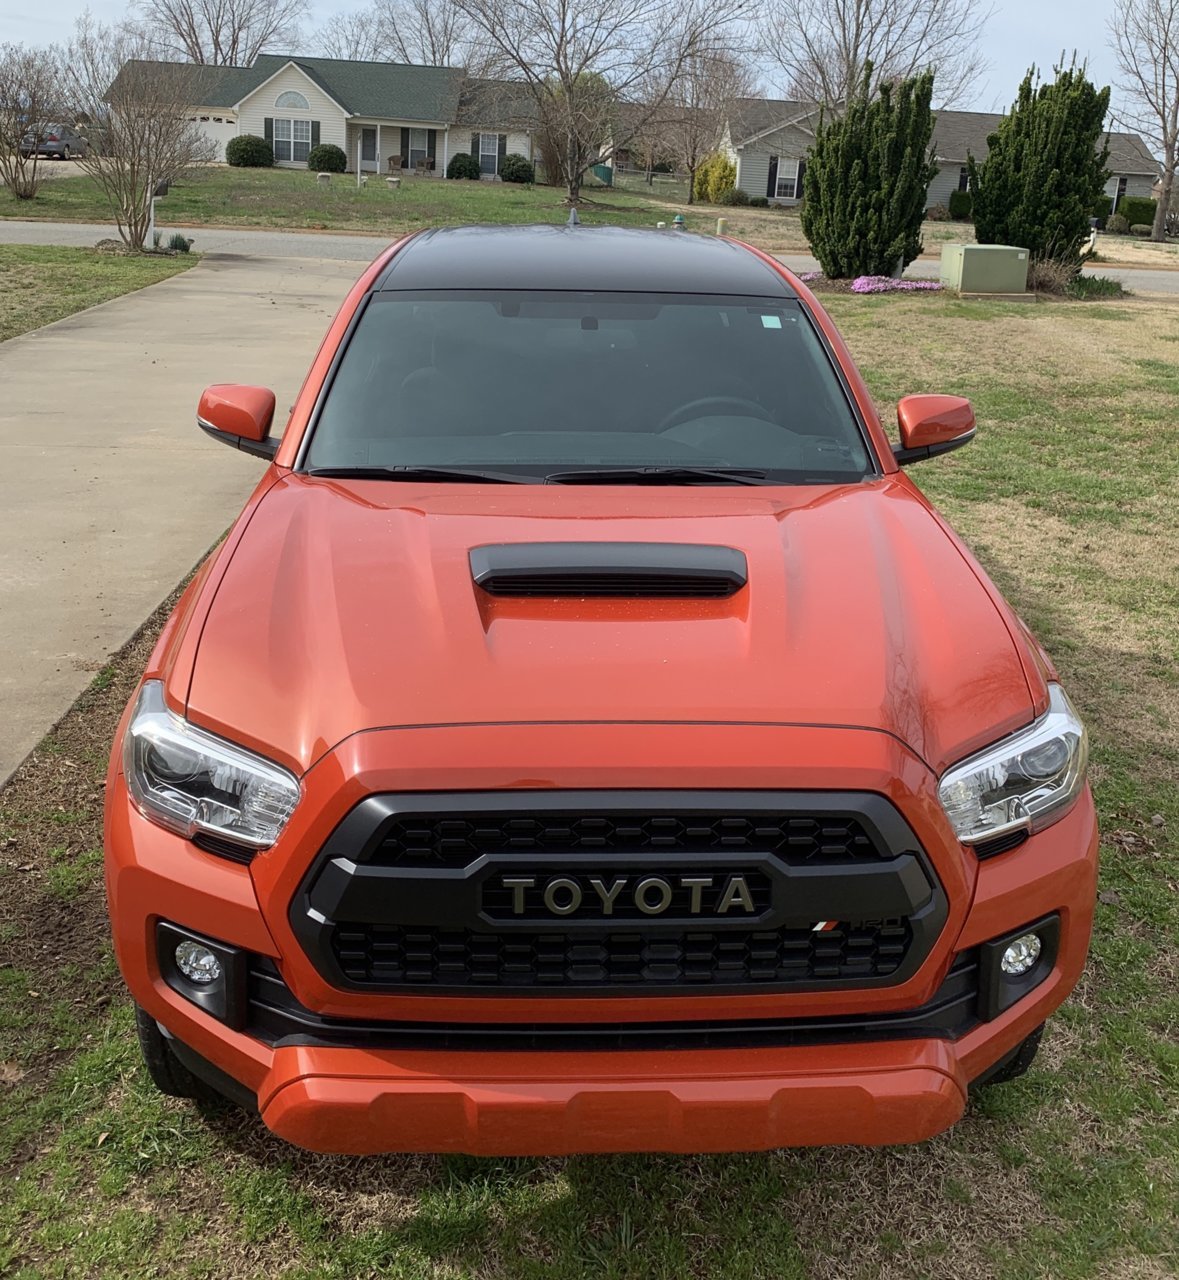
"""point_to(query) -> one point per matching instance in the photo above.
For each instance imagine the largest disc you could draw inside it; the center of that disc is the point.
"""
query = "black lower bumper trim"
(278, 1019)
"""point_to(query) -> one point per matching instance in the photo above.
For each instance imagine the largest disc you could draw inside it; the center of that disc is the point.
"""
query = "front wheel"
(1016, 1063)
(166, 1071)
(65, 154)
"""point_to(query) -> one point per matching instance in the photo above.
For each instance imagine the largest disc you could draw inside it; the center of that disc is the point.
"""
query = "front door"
(368, 148)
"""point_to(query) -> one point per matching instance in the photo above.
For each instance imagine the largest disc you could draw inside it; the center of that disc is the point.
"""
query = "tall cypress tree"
(1044, 168)
(866, 178)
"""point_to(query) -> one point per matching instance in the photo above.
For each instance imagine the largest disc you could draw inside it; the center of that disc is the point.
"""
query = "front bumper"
(361, 1102)
(498, 1101)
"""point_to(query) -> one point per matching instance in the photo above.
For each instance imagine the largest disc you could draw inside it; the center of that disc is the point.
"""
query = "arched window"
(293, 100)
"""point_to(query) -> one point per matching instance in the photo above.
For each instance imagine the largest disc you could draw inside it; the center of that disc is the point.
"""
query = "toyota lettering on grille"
(652, 895)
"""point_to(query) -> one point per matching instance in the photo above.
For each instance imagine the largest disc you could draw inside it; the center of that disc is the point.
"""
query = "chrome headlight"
(1024, 782)
(191, 781)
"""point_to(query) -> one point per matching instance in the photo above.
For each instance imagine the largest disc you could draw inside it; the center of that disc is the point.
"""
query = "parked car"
(55, 141)
(588, 738)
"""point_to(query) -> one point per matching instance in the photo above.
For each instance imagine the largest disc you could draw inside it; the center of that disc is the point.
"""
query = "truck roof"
(606, 259)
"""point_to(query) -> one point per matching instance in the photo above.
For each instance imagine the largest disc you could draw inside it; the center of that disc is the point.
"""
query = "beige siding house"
(769, 139)
(387, 117)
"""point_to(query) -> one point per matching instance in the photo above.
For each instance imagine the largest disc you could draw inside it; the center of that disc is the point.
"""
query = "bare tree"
(433, 33)
(355, 36)
(822, 46)
(137, 112)
(28, 100)
(1145, 38)
(577, 64)
(697, 107)
(223, 33)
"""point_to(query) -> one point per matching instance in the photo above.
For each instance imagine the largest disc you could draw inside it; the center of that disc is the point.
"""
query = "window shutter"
(772, 178)
(405, 148)
(475, 145)
(503, 151)
(432, 143)
(268, 129)
(315, 133)
(798, 181)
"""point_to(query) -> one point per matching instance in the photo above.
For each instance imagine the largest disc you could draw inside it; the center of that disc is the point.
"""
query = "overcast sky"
(1021, 32)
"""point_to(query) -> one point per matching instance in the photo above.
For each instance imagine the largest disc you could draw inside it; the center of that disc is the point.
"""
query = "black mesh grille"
(623, 891)
(418, 957)
(456, 841)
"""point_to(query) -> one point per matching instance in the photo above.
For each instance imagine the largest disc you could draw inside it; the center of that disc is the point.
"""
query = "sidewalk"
(109, 494)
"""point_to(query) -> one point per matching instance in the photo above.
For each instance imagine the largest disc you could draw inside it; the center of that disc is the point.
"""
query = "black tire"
(167, 1072)
(1012, 1067)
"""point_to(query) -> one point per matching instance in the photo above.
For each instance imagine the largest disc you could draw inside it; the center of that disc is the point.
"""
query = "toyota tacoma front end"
(639, 764)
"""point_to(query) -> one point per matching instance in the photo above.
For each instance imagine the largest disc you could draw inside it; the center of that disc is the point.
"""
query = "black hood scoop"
(633, 570)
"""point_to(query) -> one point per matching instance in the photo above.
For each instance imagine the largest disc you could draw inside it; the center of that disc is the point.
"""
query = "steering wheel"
(706, 407)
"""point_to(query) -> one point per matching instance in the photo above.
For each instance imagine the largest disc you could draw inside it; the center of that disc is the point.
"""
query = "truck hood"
(350, 605)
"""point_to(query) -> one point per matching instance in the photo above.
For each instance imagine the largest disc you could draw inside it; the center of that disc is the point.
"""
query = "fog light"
(200, 965)
(1020, 955)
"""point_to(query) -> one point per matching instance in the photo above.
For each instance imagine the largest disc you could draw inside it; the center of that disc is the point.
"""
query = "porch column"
(445, 149)
(378, 146)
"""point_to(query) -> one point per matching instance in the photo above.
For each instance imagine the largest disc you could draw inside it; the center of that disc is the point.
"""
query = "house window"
(963, 178)
(489, 153)
(790, 179)
(419, 146)
(292, 140)
(292, 101)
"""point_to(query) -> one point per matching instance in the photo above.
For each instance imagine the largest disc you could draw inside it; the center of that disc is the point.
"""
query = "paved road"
(358, 249)
(108, 492)
(270, 244)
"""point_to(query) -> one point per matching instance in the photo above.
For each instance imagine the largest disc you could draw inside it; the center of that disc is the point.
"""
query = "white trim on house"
(310, 80)
(792, 178)
(782, 124)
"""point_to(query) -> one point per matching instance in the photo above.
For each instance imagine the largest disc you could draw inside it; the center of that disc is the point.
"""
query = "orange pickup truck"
(588, 738)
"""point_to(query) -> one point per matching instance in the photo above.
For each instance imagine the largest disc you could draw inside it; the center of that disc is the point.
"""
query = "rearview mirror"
(931, 425)
(239, 416)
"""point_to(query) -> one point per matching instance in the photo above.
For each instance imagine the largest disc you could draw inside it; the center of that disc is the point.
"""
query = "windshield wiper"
(658, 475)
(458, 475)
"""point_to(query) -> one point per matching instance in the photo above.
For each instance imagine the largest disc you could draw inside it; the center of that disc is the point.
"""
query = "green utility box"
(984, 268)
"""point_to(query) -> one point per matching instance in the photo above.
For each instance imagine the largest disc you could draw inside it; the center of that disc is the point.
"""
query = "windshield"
(535, 384)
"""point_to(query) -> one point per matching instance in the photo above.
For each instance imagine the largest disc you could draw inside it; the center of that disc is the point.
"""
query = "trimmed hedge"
(463, 165)
(517, 168)
(1116, 225)
(248, 151)
(734, 195)
(960, 206)
(759, 202)
(327, 158)
(1141, 228)
(1138, 209)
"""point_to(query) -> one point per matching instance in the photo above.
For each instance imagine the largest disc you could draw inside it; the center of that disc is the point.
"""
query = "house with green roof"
(388, 117)
(768, 140)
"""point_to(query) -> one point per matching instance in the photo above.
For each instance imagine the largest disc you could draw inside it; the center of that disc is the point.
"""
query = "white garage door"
(219, 127)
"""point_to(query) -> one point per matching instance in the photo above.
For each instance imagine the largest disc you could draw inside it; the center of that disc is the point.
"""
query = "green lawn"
(291, 199)
(1071, 1172)
(39, 283)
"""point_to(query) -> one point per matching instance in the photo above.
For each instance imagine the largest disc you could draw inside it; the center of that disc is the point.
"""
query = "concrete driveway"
(109, 494)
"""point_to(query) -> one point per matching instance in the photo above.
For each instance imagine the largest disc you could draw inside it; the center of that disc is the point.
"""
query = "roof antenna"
(574, 220)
